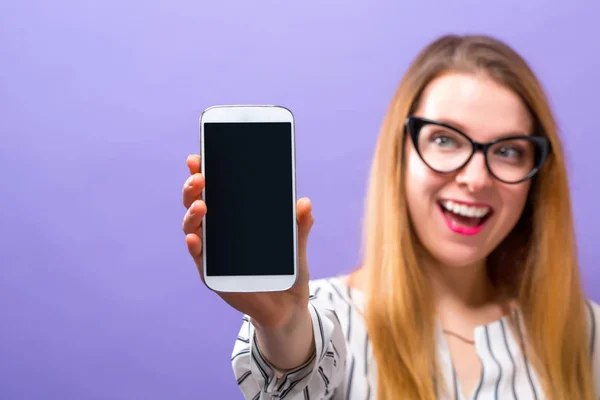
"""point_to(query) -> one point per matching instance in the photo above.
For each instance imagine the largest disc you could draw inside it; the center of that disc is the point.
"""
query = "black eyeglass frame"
(414, 125)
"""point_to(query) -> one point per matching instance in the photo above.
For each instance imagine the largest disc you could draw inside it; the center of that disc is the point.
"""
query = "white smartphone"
(249, 232)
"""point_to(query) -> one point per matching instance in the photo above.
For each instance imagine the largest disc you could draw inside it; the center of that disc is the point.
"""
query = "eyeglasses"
(445, 149)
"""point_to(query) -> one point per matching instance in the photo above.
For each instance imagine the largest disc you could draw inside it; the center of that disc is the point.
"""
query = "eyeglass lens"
(446, 150)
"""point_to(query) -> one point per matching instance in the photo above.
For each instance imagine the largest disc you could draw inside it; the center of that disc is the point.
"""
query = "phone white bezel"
(250, 113)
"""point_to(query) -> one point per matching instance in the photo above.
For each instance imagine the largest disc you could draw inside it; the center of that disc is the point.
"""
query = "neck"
(461, 287)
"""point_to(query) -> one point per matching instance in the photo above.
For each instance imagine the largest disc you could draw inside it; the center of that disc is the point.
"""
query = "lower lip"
(462, 230)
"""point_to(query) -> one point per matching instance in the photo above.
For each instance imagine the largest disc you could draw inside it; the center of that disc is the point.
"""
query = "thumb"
(305, 221)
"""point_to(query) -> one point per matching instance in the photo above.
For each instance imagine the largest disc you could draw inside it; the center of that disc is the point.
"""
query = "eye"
(509, 152)
(443, 140)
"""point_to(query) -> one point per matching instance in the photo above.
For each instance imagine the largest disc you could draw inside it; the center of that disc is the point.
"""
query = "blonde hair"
(538, 261)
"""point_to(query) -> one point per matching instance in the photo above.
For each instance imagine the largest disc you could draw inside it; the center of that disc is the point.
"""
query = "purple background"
(100, 103)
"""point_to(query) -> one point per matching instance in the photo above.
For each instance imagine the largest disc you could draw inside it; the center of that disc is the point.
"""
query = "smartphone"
(249, 232)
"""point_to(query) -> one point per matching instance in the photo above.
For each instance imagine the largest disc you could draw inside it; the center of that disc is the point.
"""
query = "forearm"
(289, 346)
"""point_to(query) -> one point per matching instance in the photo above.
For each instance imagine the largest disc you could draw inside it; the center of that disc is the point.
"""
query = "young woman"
(470, 287)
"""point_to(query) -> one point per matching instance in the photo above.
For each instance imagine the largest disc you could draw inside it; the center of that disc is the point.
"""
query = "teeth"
(467, 211)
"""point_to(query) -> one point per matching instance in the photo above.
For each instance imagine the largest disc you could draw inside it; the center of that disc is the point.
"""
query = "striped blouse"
(343, 366)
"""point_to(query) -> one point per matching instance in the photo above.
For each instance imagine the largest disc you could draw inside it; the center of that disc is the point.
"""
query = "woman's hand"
(276, 314)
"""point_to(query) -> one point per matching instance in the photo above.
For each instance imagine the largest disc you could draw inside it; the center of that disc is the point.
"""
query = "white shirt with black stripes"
(343, 366)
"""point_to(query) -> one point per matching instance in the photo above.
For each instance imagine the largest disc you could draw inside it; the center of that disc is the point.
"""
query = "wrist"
(289, 344)
(285, 325)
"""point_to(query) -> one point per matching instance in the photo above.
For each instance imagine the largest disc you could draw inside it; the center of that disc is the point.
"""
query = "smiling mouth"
(467, 219)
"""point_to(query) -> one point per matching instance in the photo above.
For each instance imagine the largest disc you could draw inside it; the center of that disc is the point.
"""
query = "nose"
(475, 175)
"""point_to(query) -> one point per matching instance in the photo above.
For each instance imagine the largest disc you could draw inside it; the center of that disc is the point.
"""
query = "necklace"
(459, 337)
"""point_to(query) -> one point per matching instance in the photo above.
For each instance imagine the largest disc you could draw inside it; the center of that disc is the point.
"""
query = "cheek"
(513, 200)
(420, 182)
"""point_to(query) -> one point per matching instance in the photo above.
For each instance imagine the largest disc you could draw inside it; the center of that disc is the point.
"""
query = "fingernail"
(192, 209)
(191, 181)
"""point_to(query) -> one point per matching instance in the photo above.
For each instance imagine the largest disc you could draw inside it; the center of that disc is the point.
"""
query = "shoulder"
(593, 308)
(336, 286)
(593, 311)
(594, 324)
(334, 292)
(332, 283)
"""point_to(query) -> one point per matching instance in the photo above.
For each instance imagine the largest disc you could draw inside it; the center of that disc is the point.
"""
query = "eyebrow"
(457, 125)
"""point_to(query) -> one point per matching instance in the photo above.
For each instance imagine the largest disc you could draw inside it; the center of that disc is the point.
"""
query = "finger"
(192, 188)
(193, 163)
(194, 244)
(305, 222)
(303, 209)
(193, 217)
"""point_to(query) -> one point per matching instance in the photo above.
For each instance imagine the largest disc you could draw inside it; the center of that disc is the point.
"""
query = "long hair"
(536, 264)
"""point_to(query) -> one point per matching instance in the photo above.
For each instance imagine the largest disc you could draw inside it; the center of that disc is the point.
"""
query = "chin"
(457, 256)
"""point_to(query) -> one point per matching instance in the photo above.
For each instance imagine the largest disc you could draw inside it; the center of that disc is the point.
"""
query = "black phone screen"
(249, 198)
